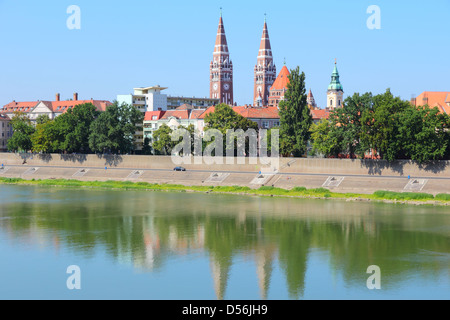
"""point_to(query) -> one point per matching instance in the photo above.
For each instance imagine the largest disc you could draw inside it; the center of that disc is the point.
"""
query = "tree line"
(82, 129)
(383, 127)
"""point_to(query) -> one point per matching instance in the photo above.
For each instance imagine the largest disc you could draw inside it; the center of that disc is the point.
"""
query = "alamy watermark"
(374, 281)
(374, 21)
(74, 280)
(208, 148)
(74, 20)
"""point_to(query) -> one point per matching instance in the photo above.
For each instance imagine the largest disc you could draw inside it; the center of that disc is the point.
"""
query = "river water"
(157, 245)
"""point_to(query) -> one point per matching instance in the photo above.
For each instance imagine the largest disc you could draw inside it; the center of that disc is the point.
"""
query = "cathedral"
(269, 89)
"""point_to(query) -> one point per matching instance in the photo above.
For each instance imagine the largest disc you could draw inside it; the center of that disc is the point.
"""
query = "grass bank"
(299, 192)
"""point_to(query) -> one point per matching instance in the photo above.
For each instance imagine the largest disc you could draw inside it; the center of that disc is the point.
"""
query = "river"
(158, 245)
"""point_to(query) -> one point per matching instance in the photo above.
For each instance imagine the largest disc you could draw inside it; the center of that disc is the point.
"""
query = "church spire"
(335, 93)
(221, 68)
(265, 70)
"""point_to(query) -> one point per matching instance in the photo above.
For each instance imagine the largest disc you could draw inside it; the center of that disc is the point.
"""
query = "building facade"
(221, 69)
(6, 132)
(265, 71)
(197, 103)
(52, 109)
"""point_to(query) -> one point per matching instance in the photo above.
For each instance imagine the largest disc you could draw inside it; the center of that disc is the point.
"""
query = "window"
(339, 103)
(331, 103)
(265, 124)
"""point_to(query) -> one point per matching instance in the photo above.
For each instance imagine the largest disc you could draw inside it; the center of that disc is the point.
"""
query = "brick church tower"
(265, 71)
(221, 69)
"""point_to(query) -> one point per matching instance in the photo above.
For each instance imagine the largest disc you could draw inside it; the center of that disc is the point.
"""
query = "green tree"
(114, 129)
(22, 132)
(224, 118)
(346, 125)
(295, 117)
(324, 141)
(422, 133)
(75, 125)
(43, 138)
(162, 140)
(380, 129)
(147, 149)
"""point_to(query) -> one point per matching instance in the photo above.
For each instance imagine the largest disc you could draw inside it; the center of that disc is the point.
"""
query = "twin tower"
(221, 70)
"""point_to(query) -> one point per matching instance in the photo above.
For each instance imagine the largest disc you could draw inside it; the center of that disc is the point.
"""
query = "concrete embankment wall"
(358, 176)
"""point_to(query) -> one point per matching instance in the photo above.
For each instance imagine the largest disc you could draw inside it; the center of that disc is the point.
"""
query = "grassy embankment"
(301, 192)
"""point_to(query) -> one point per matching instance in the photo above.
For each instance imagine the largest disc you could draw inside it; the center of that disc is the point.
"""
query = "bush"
(299, 189)
(443, 196)
(403, 195)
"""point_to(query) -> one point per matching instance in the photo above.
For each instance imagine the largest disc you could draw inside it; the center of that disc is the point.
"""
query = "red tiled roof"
(179, 114)
(257, 113)
(195, 114)
(150, 114)
(320, 114)
(282, 80)
(208, 111)
(54, 106)
(435, 99)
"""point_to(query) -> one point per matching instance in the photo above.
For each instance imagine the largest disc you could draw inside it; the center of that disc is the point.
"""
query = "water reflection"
(148, 229)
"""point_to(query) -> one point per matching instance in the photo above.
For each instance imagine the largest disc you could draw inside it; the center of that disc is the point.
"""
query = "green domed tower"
(335, 93)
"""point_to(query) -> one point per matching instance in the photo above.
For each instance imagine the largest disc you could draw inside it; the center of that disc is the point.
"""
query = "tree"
(346, 126)
(147, 149)
(380, 128)
(323, 140)
(224, 118)
(114, 129)
(422, 133)
(43, 138)
(22, 132)
(75, 125)
(295, 117)
(162, 140)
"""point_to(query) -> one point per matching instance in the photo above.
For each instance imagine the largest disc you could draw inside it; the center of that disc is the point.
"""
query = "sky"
(127, 44)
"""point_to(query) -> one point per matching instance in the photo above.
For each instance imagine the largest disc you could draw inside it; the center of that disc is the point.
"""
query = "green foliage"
(113, 130)
(299, 189)
(380, 128)
(443, 197)
(403, 195)
(385, 125)
(295, 117)
(224, 118)
(324, 141)
(22, 132)
(162, 140)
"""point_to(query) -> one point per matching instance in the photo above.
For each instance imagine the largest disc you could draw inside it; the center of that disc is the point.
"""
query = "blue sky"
(127, 44)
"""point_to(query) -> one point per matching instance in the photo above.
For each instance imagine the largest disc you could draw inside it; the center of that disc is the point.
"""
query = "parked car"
(179, 169)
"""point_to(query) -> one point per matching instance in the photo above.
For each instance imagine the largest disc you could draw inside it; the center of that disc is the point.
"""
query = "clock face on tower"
(226, 86)
(215, 86)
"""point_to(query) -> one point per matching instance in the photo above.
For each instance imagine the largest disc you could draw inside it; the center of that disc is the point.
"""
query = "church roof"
(282, 80)
(335, 82)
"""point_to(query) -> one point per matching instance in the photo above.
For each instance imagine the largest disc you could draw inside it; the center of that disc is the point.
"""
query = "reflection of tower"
(220, 270)
(221, 69)
(264, 267)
